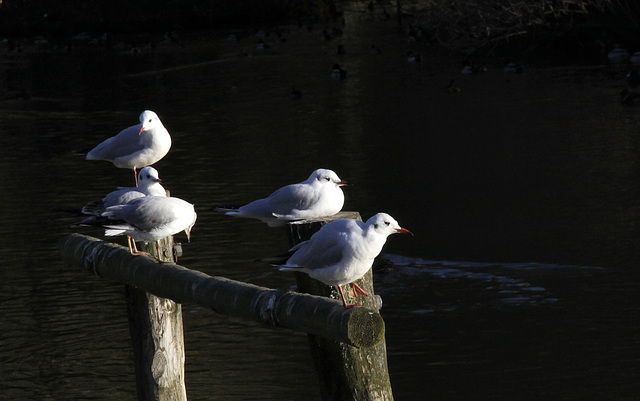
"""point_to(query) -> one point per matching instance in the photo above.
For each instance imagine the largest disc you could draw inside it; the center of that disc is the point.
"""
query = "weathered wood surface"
(156, 329)
(358, 327)
(346, 373)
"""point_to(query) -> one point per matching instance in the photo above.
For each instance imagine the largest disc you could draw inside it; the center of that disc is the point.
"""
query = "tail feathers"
(228, 209)
(277, 260)
(111, 211)
(284, 268)
(95, 208)
(91, 221)
(110, 231)
(285, 216)
(81, 152)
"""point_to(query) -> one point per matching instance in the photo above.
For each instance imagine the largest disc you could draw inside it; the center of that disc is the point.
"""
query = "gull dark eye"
(150, 120)
(386, 223)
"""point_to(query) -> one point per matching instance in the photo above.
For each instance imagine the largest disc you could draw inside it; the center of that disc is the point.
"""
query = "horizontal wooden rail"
(359, 327)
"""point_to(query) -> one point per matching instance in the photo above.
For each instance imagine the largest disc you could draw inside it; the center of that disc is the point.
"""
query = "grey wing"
(292, 197)
(121, 196)
(127, 142)
(150, 211)
(320, 252)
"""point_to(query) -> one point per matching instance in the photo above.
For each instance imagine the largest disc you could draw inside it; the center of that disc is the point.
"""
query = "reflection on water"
(535, 330)
(538, 170)
(487, 279)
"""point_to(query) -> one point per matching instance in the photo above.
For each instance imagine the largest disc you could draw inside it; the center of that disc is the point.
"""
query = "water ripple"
(470, 284)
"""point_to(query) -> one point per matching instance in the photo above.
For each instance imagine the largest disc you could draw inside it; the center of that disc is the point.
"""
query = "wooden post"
(346, 373)
(156, 331)
(359, 327)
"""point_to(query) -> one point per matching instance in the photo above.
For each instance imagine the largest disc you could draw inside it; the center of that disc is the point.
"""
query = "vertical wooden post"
(157, 335)
(346, 373)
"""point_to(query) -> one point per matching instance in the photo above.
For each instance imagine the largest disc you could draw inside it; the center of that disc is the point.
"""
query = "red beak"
(404, 231)
(342, 183)
(141, 129)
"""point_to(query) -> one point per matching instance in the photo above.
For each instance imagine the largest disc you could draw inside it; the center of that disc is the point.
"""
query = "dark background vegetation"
(577, 28)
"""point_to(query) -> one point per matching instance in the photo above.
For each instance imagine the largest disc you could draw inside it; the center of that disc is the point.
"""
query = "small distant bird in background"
(618, 55)
(413, 57)
(342, 251)
(261, 45)
(137, 146)
(338, 73)
(453, 87)
(469, 68)
(511, 67)
(628, 97)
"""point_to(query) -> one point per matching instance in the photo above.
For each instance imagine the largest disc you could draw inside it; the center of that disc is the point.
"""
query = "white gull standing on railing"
(343, 250)
(137, 146)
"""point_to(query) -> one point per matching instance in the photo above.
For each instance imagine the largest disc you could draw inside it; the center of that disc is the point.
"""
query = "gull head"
(149, 120)
(148, 176)
(325, 176)
(386, 225)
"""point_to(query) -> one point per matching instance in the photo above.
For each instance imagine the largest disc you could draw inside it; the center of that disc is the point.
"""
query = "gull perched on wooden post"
(149, 184)
(319, 196)
(137, 146)
(343, 250)
(150, 218)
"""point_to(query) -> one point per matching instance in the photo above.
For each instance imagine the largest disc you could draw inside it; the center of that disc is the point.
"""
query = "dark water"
(522, 192)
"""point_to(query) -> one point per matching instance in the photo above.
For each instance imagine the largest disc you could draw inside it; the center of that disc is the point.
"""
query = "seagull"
(137, 146)
(338, 73)
(150, 218)
(319, 196)
(343, 250)
(148, 185)
(618, 55)
(413, 57)
(511, 67)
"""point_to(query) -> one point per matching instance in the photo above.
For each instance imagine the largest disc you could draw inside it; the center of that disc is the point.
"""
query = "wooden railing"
(347, 345)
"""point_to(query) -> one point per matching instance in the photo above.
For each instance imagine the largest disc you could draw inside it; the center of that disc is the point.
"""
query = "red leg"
(132, 247)
(344, 302)
(358, 290)
(135, 176)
